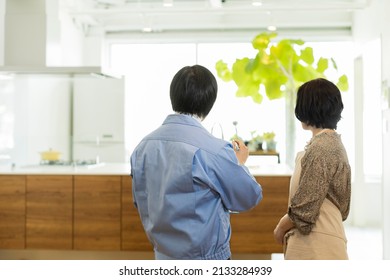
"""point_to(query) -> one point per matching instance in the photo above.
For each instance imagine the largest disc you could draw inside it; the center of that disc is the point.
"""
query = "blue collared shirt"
(185, 183)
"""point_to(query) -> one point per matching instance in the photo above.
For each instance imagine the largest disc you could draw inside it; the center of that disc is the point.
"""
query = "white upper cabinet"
(98, 109)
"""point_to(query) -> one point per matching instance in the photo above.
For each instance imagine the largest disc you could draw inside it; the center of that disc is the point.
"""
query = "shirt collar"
(183, 118)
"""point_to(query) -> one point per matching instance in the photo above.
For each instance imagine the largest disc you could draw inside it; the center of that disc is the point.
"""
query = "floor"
(363, 244)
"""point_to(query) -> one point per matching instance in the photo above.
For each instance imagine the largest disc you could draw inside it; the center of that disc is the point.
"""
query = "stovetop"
(68, 163)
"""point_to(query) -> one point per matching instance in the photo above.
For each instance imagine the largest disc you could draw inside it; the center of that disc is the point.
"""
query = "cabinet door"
(98, 110)
(252, 231)
(49, 212)
(12, 212)
(133, 234)
(97, 212)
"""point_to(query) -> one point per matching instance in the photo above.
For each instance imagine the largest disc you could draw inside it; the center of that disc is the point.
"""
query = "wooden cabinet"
(49, 203)
(252, 231)
(97, 212)
(133, 234)
(12, 211)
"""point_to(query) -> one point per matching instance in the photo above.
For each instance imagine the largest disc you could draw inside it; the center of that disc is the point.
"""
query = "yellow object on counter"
(50, 155)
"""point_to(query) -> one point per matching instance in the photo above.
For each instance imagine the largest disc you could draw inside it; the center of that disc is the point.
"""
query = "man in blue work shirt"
(186, 182)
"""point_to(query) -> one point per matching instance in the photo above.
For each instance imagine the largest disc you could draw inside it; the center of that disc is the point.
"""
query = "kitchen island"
(89, 208)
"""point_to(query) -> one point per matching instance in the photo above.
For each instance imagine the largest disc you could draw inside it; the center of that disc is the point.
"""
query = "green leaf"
(305, 73)
(284, 54)
(307, 55)
(265, 72)
(342, 84)
(250, 89)
(297, 42)
(240, 74)
(223, 71)
(247, 86)
(257, 98)
(261, 41)
(252, 64)
(322, 65)
(282, 50)
(334, 63)
(272, 89)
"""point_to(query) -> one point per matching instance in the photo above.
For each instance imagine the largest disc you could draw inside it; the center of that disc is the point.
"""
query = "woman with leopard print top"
(320, 187)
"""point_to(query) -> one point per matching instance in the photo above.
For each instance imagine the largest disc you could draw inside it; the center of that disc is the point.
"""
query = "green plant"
(276, 71)
(256, 141)
(256, 137)
(279, 67)
(269, 136)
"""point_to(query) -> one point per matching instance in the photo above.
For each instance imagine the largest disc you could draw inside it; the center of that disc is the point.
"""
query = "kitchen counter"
(122, 169)
(90, 208)
(270, 170)
(92, 169)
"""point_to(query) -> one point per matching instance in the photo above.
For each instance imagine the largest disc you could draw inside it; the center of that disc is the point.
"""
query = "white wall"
(370, 24)
(366, 181)
(64, 41)
(41, 112)
(42, 116)
(77, 46)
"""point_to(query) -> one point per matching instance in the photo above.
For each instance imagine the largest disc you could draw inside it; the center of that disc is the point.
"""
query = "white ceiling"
(289, 16)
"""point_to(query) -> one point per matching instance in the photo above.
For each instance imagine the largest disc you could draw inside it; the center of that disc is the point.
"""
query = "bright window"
(149, 69)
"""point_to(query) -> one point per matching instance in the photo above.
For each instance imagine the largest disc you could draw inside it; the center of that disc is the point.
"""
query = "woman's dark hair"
(319, 104)
(193, 91)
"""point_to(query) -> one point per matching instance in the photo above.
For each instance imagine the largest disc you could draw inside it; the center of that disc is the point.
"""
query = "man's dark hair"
(193, 91)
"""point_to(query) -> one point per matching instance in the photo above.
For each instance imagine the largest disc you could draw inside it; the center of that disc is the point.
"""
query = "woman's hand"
(279, 235)
(284, 225)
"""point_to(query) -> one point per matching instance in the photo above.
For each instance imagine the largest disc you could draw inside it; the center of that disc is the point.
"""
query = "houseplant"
(276, 71)
(269, 138)
(256, 142)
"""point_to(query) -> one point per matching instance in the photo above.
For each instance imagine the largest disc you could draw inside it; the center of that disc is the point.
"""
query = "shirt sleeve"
(313, 187)
(237, 188)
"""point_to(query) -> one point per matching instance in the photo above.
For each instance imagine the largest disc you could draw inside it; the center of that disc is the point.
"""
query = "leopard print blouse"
(325, 173)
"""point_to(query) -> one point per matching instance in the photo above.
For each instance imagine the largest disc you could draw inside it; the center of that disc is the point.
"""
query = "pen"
(236, 146)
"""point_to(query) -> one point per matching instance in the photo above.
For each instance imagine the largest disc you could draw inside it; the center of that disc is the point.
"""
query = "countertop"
(120, 169)
(93, 169)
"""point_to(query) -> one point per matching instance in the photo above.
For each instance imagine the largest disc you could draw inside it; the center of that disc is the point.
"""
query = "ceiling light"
(147, 29)
(216, 3)
(271, 28)
(256, 3)
(168, 3)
